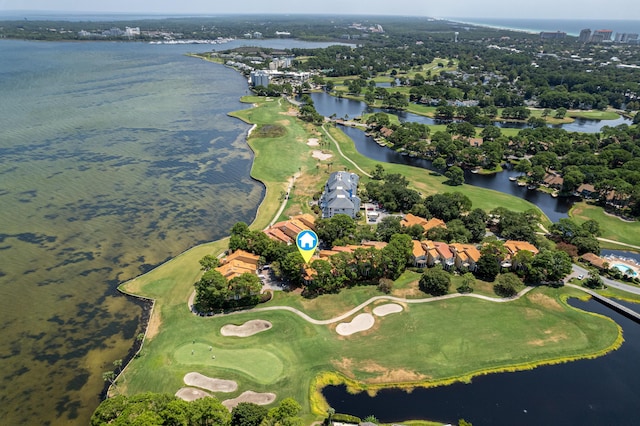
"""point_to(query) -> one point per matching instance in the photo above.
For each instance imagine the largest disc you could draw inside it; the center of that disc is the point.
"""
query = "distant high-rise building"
(260, 78)
(585, 35)
(600, 36)
(556, 35)
(626, 37)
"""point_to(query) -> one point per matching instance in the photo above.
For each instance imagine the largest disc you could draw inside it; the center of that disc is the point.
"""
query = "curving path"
(292, 180)
(618, 243)
(342, 154)
(375, 299)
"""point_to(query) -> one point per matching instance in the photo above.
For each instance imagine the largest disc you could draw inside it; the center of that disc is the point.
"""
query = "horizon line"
(213, 14)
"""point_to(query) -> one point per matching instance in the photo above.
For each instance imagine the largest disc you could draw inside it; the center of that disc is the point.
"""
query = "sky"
(550, 9)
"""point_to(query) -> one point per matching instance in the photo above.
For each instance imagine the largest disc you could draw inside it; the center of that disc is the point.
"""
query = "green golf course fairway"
(424, 345)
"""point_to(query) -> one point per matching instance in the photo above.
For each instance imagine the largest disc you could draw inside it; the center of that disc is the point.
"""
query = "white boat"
(513, 178)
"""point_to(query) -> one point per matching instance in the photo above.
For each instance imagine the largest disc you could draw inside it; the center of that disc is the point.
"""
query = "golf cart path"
(618, 243)
(375, 299)
(326, 132)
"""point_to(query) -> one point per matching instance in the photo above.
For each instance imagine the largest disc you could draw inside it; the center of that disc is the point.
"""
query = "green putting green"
(259, 364)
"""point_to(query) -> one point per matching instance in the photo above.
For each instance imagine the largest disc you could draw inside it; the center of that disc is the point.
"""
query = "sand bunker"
(191, 394)
(250, 396)
(389, 308)
(313, 142)
(249, 328)
(321, 155)
(209, 383)
(361, 322)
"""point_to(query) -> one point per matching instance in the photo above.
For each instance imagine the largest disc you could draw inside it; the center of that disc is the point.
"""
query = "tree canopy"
(435, 281)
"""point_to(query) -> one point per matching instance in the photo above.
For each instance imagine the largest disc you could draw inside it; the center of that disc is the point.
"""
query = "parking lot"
(373, 213)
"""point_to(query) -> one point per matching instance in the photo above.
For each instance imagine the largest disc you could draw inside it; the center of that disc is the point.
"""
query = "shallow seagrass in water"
(113, 158)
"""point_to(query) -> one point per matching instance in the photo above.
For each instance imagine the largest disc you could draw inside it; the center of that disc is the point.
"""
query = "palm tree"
(110, 376)
(330, 412)
(118, 365)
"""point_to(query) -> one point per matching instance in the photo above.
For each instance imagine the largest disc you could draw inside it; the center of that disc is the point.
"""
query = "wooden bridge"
(629, 313)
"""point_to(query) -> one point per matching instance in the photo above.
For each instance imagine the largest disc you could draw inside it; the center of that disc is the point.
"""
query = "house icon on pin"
(307, 240)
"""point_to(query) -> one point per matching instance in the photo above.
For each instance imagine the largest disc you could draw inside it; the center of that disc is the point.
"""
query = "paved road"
(579, 270)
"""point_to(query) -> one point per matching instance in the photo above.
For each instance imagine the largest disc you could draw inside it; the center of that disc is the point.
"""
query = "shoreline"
(260, 216)
(530, 31)
(316, 403)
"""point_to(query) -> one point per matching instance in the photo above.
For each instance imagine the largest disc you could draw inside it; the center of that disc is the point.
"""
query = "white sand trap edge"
(313, 142)
(361, 322)
(209, 383)
(247, 329)
(389, 308)
(250, 396)
(321, 155)
(191, 394)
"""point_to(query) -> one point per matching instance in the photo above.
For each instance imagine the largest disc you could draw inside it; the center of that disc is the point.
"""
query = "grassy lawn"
(326, 306)
(427, 111)
(432, 342)
(612, 227)
(270, 147)
(620, 295)
(594, 115)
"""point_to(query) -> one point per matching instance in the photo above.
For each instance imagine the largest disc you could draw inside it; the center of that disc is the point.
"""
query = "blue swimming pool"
(625, 269)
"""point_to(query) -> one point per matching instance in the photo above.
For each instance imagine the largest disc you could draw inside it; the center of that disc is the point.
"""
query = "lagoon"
(554, 208)
(328, 105)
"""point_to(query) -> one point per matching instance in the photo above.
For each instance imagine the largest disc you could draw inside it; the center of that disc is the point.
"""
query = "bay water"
(114, 157)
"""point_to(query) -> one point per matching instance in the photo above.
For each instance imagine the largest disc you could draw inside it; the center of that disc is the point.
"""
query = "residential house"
(325, 254)
(237, 263)
(419, 255)
(466, 256)
(594, 260)
(411, 219)
(513, 247)
(438, 253)
(307, 219)
(476, 142)
(553, 180)
(286, 231)
(386, 132)
(339, 196)
(379, 245)
(586, 191)
(444, 254)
